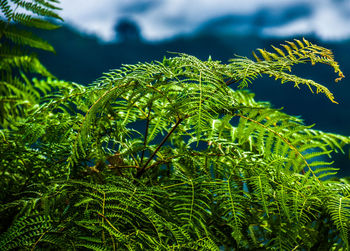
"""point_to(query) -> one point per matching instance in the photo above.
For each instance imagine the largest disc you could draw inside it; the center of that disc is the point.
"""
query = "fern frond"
(41, 8)
(25, 232)
(6, 9)
(48, 4)
(231, 204)
(285, 77)
(30, 21)
(281, 61)
(260, 185)
(339, 210)
(26, 63)
(191, 205)
(22, 37)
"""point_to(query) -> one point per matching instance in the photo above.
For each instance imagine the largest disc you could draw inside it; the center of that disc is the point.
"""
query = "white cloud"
(162, 19)
(172, 17)
(328, 22)
(91, 16)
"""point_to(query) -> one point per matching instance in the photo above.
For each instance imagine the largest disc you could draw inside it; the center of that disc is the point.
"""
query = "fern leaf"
(256, 57)
(260, 186)
(37, 8)
(264, 54)
(279, 51)
(339, 210)
(48, 4)
(30, 21)
(22, 37)
(295, 48)
(301, 45)
(25, 232)
(6, 9)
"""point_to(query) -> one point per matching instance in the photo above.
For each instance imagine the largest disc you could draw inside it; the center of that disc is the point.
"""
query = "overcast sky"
(163, 19)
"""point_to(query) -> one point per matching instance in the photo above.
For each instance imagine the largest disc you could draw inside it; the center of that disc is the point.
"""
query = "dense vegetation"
(163, 155)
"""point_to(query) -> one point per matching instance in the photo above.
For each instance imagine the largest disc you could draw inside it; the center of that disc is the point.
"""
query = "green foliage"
(171, 156)
(24, 231)
(17, 94)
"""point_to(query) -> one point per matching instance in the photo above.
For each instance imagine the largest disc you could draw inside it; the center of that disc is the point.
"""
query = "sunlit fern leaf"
(339, 209)
(90, 116)
(145, 79)
(285, 77)
(261, 189)
(324, 169)
(299, 52)
(231, 203)
(334, 141)
(190, 202)
(305, 208)
(284, 199)
(243, 70)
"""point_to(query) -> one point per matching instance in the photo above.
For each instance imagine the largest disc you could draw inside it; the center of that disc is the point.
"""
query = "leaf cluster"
(17, 59)
(172, 155)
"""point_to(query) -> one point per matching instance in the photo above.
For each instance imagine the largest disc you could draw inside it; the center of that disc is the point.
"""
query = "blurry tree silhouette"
(127, 31)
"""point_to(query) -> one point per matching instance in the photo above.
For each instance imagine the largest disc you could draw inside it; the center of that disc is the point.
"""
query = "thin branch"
(163, 161)
(143, 169)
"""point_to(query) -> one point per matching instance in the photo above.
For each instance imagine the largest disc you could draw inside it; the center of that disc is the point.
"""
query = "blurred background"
(101, 35)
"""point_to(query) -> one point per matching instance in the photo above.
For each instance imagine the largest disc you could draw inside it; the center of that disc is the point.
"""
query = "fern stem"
(143, 169)
(109, 223)
(103, 212)
(37, 241)
(146, 133)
